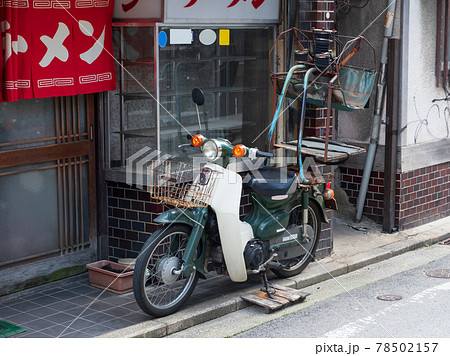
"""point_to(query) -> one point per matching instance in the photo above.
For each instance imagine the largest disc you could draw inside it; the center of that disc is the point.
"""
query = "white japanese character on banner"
(94, 52)
(255, 3)
(130, 5)
(55, 47)
(10, 46)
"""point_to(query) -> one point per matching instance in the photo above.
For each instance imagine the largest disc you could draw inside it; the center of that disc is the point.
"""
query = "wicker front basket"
(180, 184)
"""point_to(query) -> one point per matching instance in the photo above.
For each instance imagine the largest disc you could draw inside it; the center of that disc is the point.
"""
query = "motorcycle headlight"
(211, 150)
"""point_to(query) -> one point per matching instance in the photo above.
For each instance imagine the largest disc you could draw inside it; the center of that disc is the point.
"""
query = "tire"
(299, 264)
(157, 290)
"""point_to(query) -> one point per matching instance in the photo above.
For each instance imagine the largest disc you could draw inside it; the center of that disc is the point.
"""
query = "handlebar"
(238, 151)
(252, 153)
(264, 154)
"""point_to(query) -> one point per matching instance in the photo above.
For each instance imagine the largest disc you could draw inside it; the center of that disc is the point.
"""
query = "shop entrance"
(47, 181)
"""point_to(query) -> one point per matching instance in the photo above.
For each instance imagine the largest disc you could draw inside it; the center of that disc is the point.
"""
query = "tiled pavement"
(76, 310)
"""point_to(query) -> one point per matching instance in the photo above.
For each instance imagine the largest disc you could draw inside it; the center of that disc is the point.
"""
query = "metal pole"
(390, 169)
(375, 136)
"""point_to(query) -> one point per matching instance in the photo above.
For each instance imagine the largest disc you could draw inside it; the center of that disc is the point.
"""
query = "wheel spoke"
(296, 264)
(160, 288)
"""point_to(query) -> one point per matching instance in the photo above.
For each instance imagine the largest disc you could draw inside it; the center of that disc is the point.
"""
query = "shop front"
(54, 58)
(219, 47)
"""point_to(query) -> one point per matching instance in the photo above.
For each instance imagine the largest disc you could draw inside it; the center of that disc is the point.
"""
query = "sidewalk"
(79, 310)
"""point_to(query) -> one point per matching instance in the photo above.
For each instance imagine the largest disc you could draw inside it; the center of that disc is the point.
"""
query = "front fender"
(191, 217)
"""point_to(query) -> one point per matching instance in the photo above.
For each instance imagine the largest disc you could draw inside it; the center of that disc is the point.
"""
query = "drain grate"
(445, 242)
(389, 297)
(438, 273)
(7, 329)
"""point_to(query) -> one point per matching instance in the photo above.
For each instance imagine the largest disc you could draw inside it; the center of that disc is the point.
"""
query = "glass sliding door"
(234, 78)
(47, 178)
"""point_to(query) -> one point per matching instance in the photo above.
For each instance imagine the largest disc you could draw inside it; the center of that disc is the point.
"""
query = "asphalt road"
(347, 306)
(423, 311)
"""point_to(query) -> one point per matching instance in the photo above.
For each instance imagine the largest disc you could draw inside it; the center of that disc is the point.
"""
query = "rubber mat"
(7, 329)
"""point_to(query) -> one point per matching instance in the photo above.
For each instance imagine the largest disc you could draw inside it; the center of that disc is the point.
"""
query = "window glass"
(234, 79)
(29, 212)
(132, 106)
(27, 123)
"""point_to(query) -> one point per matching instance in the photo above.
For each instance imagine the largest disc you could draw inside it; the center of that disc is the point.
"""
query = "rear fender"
(321, 205)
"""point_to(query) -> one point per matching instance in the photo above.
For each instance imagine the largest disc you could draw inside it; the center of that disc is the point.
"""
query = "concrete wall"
(424, 123)
(422, 120)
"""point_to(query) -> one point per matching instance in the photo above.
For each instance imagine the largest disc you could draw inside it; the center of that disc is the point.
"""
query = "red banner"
(56, 48)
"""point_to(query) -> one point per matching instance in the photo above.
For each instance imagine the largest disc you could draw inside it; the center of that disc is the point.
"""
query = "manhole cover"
(438, 273)
(389, 298)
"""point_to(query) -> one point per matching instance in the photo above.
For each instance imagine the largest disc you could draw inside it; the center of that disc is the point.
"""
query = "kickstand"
(266, 284)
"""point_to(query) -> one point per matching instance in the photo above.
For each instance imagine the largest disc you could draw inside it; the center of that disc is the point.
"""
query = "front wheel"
(298, 264)
(159, 287)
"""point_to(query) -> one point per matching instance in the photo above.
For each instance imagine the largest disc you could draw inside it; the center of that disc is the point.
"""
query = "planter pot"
(111, 281)
(129, 262)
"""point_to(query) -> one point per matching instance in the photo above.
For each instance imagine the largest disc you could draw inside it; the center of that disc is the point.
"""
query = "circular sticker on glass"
(207, 37)
(162, 39)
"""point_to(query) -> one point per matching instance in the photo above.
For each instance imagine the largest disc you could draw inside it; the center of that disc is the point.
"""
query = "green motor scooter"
(204, 232)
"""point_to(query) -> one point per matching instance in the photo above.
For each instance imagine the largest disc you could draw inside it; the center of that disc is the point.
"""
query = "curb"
(232, 302)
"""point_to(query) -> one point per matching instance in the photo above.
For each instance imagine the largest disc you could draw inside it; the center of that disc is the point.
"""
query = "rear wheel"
(159, 287)
(298, 264)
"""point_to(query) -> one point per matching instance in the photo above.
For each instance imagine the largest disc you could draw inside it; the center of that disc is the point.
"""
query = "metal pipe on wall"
(376, 124)
(391, 141)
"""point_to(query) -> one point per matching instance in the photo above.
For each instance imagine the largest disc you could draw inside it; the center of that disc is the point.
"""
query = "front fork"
(195, 217)
(192, 262)
(305, 205)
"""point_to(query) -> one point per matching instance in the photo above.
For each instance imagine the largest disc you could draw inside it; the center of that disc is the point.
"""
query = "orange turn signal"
(239, 151)
(328, 194)
(197, 140)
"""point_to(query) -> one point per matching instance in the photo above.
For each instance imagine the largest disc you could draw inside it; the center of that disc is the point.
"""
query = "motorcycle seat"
(271, 181)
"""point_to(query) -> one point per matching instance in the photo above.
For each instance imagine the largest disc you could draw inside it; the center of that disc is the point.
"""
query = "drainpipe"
(391, 141)
(375, 136)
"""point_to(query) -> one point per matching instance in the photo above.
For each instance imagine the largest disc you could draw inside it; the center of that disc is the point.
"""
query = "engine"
(256, 253)
(212, 228)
